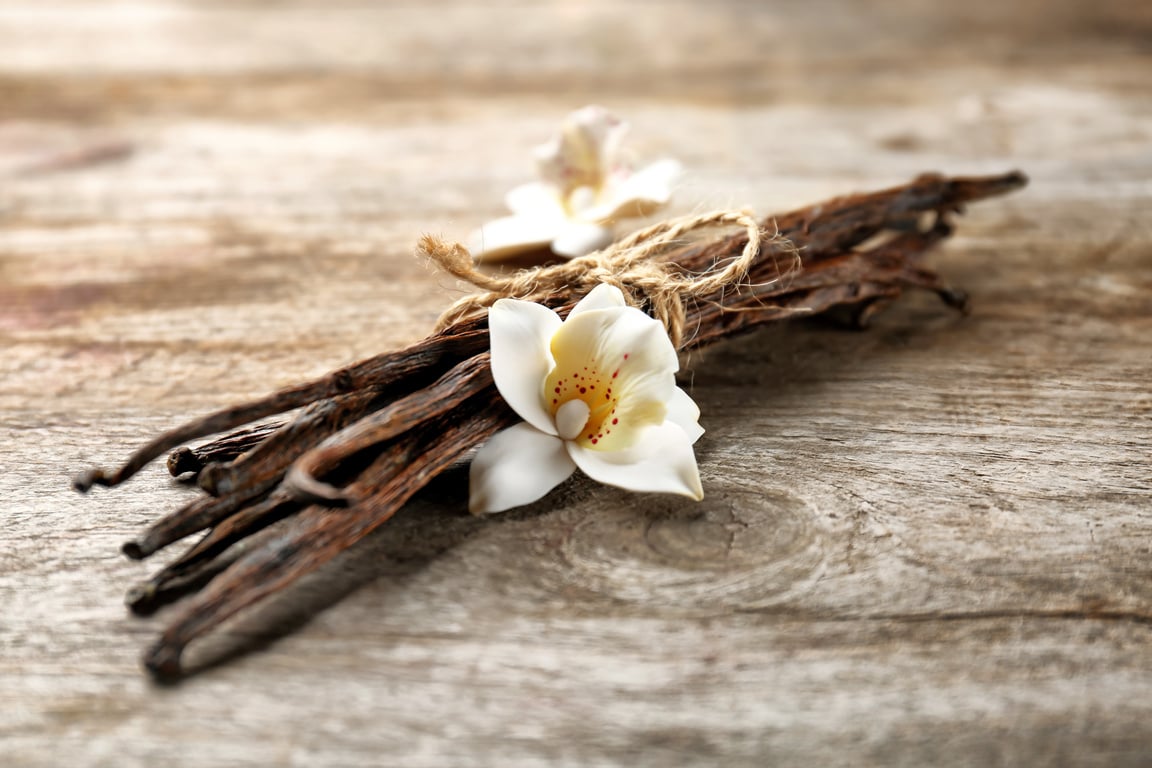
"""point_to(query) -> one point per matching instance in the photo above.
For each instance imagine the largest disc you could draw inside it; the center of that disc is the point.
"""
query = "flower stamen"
(571, 418)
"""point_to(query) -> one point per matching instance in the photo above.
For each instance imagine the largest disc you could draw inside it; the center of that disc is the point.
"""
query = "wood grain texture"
(928, 543)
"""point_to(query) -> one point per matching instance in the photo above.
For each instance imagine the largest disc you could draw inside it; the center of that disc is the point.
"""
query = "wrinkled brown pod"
(372, 434)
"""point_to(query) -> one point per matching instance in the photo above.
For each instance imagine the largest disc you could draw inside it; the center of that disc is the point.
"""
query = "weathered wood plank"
(926, 543)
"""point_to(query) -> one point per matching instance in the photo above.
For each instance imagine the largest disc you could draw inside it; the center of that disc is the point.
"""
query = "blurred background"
(138, 134)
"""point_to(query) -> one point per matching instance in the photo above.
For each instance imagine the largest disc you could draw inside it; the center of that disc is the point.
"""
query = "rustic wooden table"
(927, 543)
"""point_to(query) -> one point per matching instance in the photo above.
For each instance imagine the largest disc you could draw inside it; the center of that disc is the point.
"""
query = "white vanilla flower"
(596, 391)
(586, 186)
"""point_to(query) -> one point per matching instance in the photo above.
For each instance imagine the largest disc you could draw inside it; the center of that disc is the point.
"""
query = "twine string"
(632, 264)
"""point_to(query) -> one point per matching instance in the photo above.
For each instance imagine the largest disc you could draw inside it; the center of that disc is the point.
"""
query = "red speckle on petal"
(594, 441)
(583, 390)
(625, 355)
(615, 421)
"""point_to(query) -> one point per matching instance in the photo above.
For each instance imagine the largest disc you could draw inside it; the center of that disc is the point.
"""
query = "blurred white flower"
(596, 391)
(585, 187)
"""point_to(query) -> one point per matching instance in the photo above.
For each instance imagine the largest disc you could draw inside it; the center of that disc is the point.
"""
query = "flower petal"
(622, 338)
(535, 199)
(660, 461)
(502, 238)
(514, 468)
(603, 296)
(640, 194)
(600, 133)
(684, 413)
(575, 239)
(521, 333)
(584, 150)
(652, 182)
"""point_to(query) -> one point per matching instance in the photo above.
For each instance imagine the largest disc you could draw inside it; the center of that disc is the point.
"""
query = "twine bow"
(632, 265)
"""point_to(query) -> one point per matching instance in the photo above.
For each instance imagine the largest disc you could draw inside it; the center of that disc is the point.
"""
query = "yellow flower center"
(594, 386)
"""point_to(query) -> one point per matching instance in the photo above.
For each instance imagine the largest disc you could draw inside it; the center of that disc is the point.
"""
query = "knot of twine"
(631, 264)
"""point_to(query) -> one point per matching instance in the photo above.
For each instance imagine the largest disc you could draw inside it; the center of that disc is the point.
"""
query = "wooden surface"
(929, 543)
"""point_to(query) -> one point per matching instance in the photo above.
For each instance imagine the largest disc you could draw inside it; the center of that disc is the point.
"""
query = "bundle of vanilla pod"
(381, 429)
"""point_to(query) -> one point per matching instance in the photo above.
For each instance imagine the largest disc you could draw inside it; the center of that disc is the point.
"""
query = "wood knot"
(743, 547)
